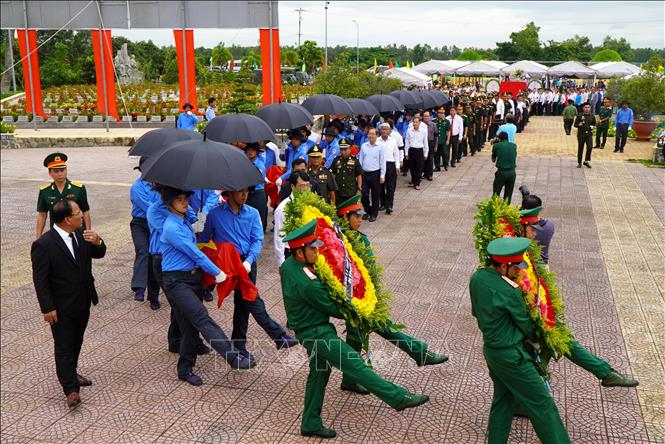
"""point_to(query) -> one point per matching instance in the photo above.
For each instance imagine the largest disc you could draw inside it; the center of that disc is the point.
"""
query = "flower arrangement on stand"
(495, 219)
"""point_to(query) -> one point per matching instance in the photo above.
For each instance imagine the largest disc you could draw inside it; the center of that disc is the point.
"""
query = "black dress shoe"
(322, 433)
(429, 178)
(382, 208)
(372, 218)
(446, 168)
(191, 378)
(365, 216)
(202, 349)
(389, 210)
(452, 165)
(587, 164)
(579, 165)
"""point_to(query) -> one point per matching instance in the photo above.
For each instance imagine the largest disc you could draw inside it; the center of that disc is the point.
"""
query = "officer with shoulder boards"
(60, 188)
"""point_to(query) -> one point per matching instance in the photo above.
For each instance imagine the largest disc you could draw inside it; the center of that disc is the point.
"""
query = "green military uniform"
(497, 305)
(485, 111)
(346, 172)
(477, 127)
(49, 194)
(325, 181)
(443, 127)
(584, 124)
(415, 348)
(604, 117)
(463, 151)
(505, 155)
(308, 310)
(569, 113)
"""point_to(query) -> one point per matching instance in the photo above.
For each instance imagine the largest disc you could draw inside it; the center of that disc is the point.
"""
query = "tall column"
(264, 39)
(31, 80)
(184, 47)
(104, 74)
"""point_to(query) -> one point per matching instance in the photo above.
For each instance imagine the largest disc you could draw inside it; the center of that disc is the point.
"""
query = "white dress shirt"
(398, 137)
(372, 158)
(65, 237)
(279, 219)
(457, 126)
(417, 139)
(390, 150)
(500, 108)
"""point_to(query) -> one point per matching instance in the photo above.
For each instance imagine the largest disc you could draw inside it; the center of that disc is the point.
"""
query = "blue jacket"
(179, 250)
(291, 155)
(142, 195)
(243, 230)
(185, 121)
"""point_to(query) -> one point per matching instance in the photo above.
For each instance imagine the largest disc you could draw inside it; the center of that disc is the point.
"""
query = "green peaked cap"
(508, 250)
(303, 236)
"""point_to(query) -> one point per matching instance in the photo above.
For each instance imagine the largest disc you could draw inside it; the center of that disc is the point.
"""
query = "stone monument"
(126, 66)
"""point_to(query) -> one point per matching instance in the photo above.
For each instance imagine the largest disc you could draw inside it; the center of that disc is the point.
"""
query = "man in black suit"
(62, 274)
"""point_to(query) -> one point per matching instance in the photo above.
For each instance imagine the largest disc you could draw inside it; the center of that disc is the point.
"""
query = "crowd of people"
(351, 160)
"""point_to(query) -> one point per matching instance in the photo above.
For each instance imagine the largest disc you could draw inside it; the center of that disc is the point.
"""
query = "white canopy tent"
(477, 69)
(571, 69)
(607, 70)
(442, 67)
(496, 63)
(408, 77)
(532, 69)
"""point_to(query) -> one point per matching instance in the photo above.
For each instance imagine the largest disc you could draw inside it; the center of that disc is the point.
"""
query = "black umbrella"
(155, 140)
(327, 104)
(408, 99)
(443, 98)
(429, 101)
(362, 107)
(386, 103)
(238, 128)
(201, 164)
(285, 116)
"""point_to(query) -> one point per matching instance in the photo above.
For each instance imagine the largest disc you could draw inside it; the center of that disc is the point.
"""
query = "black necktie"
(75, 246)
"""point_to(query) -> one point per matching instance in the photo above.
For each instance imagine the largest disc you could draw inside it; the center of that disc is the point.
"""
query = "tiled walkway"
(614, 304)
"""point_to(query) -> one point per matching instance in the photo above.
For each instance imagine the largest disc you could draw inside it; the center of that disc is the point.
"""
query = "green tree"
(221, 55)
(418, 54)
(290, 57)
(311, 55)
(170, 74)
(621, 46)
(524, 44)
(243, 96)
(579, 47)
(606, 55)
(470, 55)
(645, 92)
(342, 80)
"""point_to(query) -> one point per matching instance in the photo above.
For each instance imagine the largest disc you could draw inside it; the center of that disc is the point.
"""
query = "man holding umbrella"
(257, 197)
(142, 196)
(330, 145)
(182, 262)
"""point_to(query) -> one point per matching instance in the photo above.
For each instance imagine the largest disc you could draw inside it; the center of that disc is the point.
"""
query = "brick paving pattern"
(614, 304)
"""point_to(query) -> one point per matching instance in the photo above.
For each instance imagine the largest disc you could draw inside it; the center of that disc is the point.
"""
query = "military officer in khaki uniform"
(325, 181)
(498, 306)
(60, 188)
(347, 171)
(308, 309)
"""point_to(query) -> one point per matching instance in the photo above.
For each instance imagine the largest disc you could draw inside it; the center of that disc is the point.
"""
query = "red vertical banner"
(102, 47)
(186, 53)
(264, 40)
(36, 91)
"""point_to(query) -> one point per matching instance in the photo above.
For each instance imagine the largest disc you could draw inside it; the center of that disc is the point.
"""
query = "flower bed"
(147, 99)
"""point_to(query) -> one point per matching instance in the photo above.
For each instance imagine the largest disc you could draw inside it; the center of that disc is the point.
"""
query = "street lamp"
(325, 53)
(357, 47)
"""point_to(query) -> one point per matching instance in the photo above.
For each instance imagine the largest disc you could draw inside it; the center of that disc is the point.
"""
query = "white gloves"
(247, 266)
(278, 182)
(221, 277)
(198, 226)
(535, 345)
(189, 113)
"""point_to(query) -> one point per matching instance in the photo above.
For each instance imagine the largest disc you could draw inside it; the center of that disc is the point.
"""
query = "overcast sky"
(461, 23)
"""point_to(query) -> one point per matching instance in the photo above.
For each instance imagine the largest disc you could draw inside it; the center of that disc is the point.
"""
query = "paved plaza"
(608, 252)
